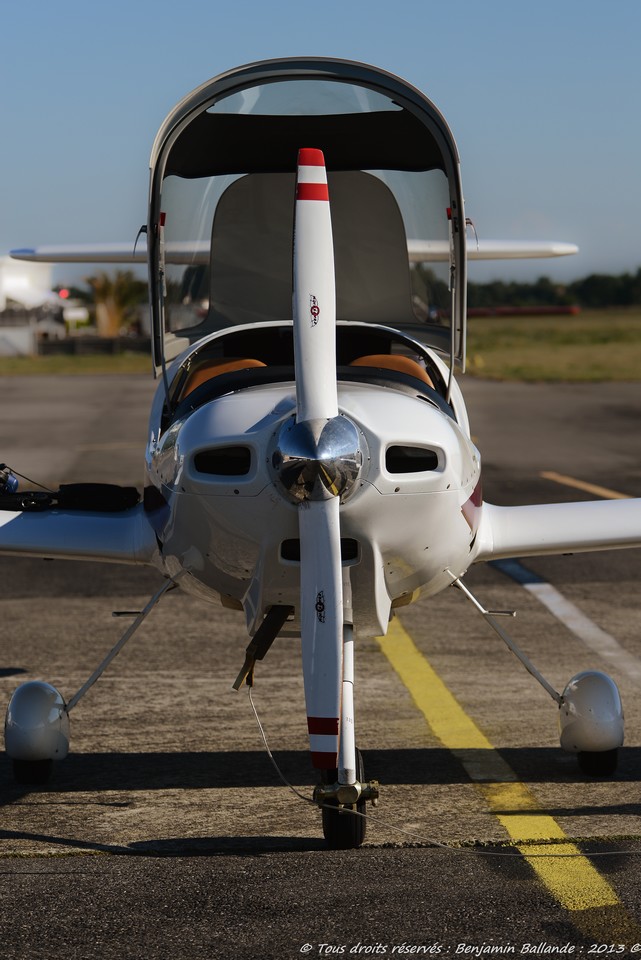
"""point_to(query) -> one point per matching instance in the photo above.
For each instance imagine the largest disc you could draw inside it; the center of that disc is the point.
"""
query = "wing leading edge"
(557, 528)
(125, 537)
(198, 252)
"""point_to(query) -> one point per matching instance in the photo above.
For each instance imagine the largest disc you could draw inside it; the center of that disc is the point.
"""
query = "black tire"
(32, 772)
(601, 764)
(344, 830)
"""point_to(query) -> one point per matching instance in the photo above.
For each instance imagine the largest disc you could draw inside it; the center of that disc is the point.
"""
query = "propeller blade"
(307, 454)
(314, 303)
(322, 626)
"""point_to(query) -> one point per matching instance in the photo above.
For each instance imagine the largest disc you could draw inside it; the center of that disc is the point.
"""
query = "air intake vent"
(290, 550)
(224, 461)
(410, 460)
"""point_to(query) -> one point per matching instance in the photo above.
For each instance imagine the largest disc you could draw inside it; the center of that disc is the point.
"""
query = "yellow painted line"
(594, 488)
(573, 881)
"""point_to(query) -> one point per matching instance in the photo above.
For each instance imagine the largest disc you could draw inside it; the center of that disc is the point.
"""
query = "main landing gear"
(590, 709)
(36, 730)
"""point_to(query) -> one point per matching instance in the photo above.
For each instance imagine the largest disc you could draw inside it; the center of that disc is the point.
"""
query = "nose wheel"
(342, 829)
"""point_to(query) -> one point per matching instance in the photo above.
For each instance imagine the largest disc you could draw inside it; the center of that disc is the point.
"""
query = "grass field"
(69, 365)
(595, 345)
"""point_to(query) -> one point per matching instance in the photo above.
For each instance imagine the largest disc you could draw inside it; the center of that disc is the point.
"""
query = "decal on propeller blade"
(314, 309)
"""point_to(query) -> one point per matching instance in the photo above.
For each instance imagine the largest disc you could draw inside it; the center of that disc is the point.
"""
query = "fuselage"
(224, 523)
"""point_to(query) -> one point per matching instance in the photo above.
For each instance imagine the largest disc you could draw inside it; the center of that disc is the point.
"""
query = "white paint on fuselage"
(225, 533)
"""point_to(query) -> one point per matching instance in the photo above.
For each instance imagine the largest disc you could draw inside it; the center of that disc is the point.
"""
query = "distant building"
(26, 302)
(25, 284)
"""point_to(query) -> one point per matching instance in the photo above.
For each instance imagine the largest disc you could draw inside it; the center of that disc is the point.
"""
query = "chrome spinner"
(317, 459)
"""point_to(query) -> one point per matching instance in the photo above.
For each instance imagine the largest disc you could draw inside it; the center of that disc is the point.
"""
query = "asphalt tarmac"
(167, 833)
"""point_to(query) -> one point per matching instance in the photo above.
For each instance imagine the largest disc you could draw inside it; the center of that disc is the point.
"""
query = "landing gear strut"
(343, 793)
(36, 729)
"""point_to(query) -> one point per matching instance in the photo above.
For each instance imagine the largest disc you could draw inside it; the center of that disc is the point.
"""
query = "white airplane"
(309, 460)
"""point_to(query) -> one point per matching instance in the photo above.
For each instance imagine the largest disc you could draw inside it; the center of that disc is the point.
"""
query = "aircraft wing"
(187, 252)
(177, 252)
(557, 528)
(428, 251)
(118, 537)
(83, 253)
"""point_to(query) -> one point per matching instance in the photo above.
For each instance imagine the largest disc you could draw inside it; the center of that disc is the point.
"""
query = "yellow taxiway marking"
(572, 880)
(594, 488)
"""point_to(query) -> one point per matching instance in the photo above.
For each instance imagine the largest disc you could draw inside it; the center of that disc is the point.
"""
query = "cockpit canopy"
(222, 203)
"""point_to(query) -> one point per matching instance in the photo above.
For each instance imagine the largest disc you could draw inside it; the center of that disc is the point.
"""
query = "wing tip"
(23, 253)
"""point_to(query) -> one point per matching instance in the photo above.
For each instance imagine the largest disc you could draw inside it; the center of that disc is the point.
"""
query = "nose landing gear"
(344, 807)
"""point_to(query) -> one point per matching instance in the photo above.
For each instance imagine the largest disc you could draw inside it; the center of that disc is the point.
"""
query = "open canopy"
(222, 184)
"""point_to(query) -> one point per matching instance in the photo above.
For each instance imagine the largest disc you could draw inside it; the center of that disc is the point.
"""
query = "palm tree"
(116, 298)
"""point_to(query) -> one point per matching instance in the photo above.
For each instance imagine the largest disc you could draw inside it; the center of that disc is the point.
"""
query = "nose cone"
(317, 459)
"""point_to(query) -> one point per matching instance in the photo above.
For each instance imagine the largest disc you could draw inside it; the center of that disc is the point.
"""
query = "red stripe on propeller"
(312, 191)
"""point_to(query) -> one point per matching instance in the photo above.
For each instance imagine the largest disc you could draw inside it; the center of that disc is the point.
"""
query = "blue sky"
(543, 99)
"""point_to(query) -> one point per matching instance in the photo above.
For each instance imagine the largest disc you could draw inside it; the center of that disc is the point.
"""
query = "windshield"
(295, 98)
(227, 202)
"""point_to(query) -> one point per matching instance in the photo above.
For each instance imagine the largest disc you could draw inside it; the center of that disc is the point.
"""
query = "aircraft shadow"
(98, 772)
(175, 846)
(228, 769)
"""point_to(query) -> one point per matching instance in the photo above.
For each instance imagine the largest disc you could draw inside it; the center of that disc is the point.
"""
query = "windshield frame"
(310, 68)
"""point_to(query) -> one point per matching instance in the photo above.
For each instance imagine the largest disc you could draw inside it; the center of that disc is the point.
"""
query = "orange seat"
(401, 364)
(213, 368)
